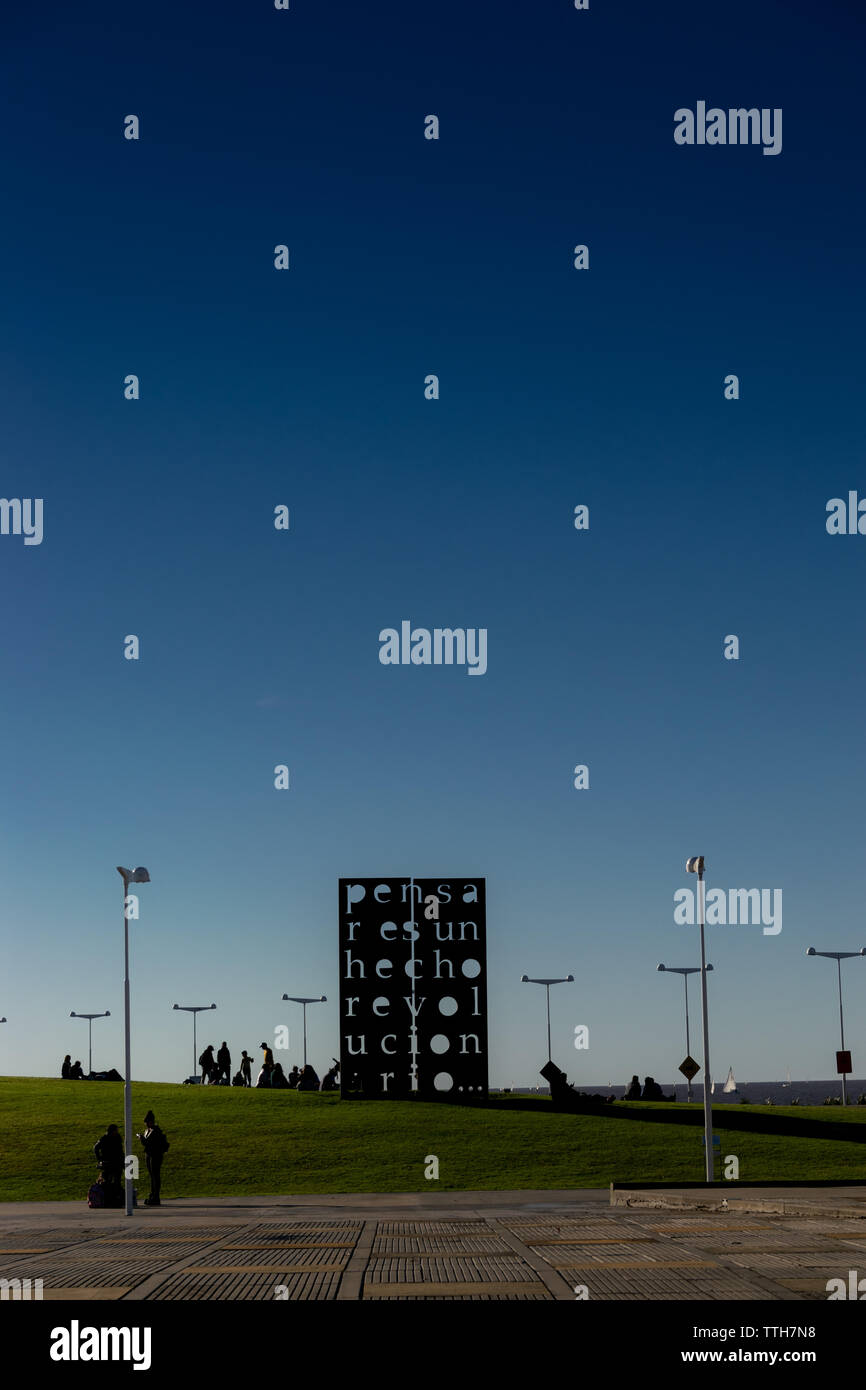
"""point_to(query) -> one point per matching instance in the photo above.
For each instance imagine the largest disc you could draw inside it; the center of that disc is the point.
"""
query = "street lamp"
(129, 876)
(90, 1018)
(194, 1009)
(696, 866)
(296, 999)
(685, 971)
(563, 980)
(838, 957)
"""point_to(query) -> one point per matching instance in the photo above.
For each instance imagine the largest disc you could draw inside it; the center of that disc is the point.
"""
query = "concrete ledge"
(842, 1199)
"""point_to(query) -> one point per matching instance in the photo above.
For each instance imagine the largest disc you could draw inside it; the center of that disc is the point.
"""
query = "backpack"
(162, 1145)
(96, 1195)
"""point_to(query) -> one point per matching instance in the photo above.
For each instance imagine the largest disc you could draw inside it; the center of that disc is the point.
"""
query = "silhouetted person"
(651, 1089)
(278, 1080)
(110, 1156)
(309, 1081)
(246, 1067)
(155, 1146)
(293, 1077)
(75, 1072)
(66, 1068)
(263, 1079)
(633, 1092)
(207, 1064)
(562, 1095)
(268, 1060)
(224, 1063)
(330, 1080)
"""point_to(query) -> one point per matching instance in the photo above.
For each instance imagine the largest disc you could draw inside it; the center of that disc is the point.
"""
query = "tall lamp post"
(194, 1009)
(563, 980)
(685, 971)
(838, 957)
(696, 866)
(296, 999)
(129, 876)
(90, 1018)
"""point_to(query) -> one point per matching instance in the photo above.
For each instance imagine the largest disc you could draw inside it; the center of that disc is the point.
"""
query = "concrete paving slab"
(446, 1246)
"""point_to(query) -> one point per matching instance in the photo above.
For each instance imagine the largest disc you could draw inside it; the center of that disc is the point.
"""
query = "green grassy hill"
(228, 1142)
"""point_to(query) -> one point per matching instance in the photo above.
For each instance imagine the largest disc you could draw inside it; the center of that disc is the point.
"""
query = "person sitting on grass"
(309, 1080)
(651, 1089)
(278, 1079)
(329, 1080)
(66, 1068)
(75, 1073)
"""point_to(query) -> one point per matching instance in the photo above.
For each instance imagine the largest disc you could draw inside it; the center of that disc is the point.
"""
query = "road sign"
(843, 1063)
(689, 1068)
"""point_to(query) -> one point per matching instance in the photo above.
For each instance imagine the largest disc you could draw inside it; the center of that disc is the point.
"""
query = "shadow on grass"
(752, 1122)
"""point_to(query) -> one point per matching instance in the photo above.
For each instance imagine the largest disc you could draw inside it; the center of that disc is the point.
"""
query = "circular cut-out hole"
(439, 1043)
(447, 1006)
(471, 968)
(443, 1081)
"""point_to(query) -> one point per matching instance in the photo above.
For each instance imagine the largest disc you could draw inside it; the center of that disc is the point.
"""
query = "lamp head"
(524, 979)
(139, 875)
(661, 967)
(695, 865)
(810, 951)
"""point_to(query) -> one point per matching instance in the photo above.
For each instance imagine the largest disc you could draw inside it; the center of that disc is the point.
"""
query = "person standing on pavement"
(155, 1148)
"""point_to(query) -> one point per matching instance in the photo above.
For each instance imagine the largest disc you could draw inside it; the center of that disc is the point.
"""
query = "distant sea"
(755, 1092)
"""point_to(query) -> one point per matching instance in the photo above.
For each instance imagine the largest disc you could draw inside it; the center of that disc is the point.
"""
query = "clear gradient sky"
(306, 387)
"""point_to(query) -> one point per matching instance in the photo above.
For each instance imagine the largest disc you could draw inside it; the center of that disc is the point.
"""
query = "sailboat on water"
(787, 1080)
(730, 1086)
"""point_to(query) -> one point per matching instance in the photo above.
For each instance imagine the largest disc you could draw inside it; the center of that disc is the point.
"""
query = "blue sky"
(306, 387)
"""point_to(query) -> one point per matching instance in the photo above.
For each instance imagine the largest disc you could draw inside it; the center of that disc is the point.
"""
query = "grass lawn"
(227, 1141)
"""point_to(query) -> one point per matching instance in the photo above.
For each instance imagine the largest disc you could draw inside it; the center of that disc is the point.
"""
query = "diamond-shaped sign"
(689, 1068)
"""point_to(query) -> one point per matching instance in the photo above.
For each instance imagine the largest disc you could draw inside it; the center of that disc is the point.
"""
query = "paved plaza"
(490, 1246)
